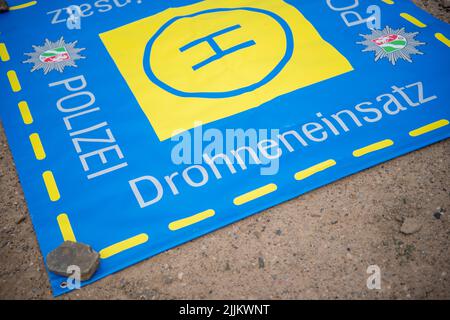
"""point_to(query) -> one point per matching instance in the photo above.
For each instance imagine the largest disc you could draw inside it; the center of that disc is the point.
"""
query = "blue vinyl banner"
(138, 125)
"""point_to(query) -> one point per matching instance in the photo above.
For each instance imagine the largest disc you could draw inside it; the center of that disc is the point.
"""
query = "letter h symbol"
(219, 53)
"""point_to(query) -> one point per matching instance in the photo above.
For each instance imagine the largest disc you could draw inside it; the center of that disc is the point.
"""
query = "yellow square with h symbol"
(217, 58)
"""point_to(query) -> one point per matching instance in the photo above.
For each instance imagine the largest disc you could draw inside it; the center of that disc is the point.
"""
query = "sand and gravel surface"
(318, 245)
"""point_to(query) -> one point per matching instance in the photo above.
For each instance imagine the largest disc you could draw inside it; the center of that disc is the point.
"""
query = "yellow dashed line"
(123, 245)
(373, 147)
(4, 55)
(182, 223)
(65, 227)
(257, 193)
(429, 127)
(37, 146)
(13, 81)
(51, 186)
(413, 20)
(314, 169)
(23, 5)
(442, 39)
(54, 195)
(25, 112)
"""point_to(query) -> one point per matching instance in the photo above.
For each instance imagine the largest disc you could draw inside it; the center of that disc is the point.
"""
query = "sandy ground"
(316, 246)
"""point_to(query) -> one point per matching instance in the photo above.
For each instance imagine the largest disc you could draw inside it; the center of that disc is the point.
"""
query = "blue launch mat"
(139, 125)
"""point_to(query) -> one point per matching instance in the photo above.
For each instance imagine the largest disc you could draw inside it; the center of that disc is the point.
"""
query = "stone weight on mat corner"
(73, 253)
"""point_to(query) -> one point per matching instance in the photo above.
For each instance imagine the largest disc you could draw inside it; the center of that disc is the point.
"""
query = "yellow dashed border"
(418, 23)
(27, 118)
(373, 147)
(50, 184)
(23, 5)
(412, 20)
(255, 194)
(38, 149)
(53, 191)
(13, 81)
(303, 174)
(442, 39)
(185, 222)
(123, 245)
(4, 55)
(429, 127)
(65, 227)
(49, 179)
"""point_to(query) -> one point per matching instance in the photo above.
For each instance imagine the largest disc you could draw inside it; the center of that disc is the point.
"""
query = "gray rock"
(437, 215)
(261, 262)
(73, 253)
(410, 226)
(439, 211)
(21, 219)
